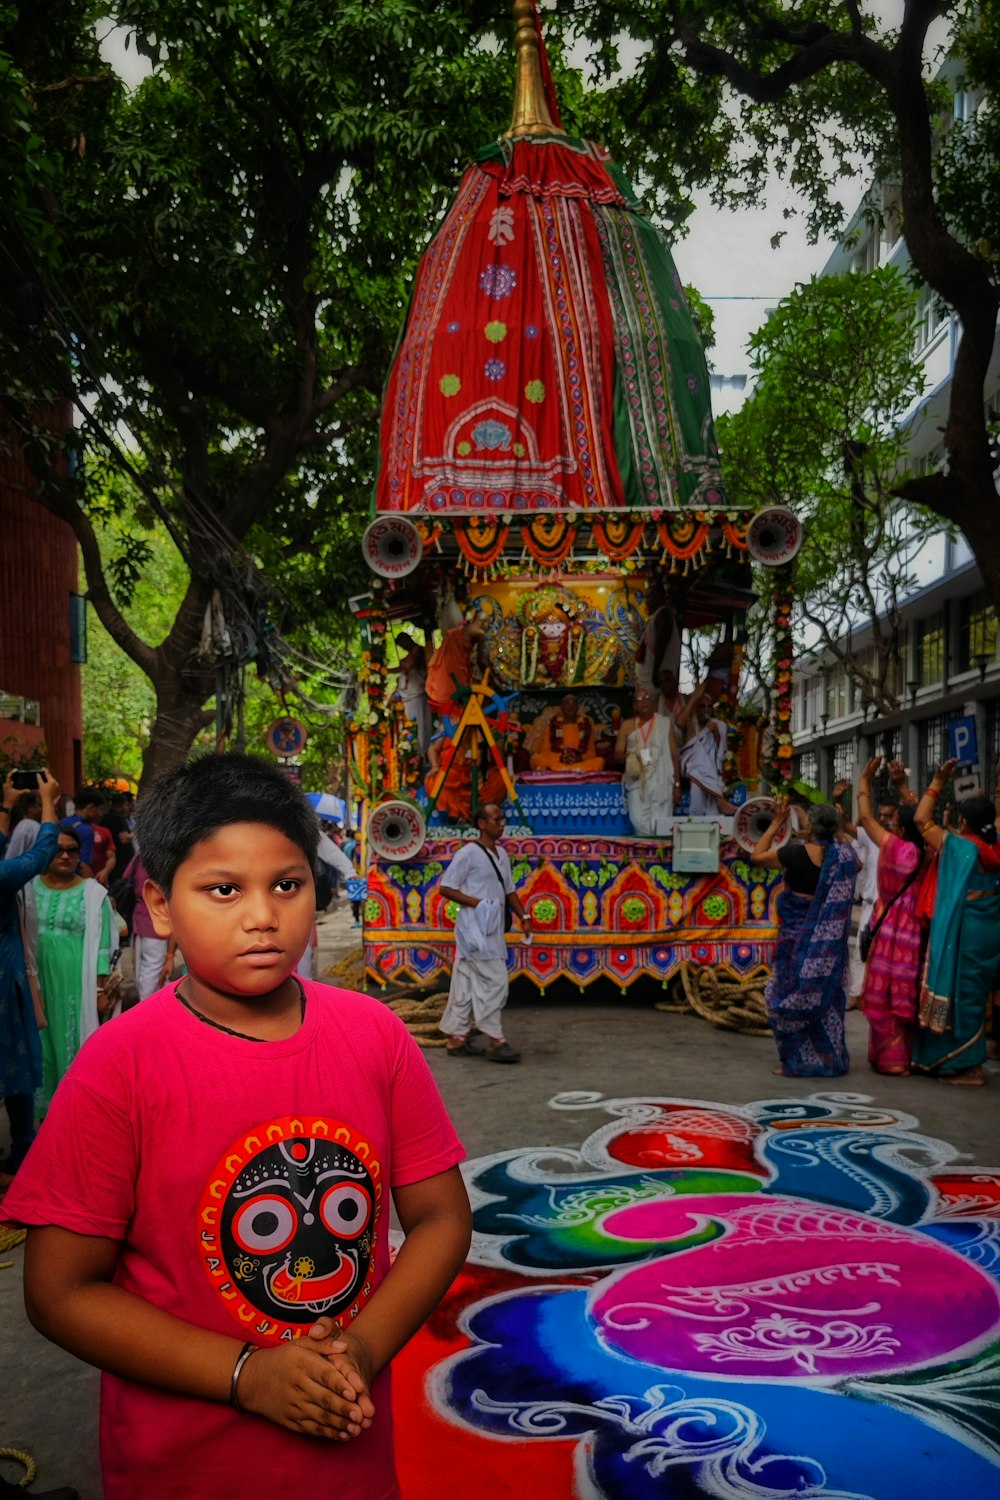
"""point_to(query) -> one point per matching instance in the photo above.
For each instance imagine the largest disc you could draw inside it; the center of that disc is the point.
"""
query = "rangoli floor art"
(788, 1298)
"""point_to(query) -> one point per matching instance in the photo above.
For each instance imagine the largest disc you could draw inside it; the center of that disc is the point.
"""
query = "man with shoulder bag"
(480, 883)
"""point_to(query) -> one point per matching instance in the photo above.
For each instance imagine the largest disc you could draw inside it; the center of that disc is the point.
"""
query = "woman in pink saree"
(891, 992)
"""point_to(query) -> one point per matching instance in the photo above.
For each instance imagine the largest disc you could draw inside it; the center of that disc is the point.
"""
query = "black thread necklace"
(228, 1029)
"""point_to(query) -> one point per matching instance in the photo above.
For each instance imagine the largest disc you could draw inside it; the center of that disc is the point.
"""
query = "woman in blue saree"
(963, 956)
(806, 994)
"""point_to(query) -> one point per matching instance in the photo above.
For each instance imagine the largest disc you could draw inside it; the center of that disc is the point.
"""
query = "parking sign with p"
(962, 740)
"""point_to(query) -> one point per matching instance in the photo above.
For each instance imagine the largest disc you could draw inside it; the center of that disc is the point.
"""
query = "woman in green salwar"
(69, 925)
(963, 958)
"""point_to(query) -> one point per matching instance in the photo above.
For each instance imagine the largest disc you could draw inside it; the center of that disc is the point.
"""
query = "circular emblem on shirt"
(289, 1224)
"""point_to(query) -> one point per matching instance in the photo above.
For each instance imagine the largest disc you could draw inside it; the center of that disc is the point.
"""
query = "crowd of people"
(925, 961)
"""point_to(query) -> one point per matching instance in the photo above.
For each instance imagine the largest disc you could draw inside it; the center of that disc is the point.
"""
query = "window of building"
(77, 627)
(977, 636)
(929, 317)
(809, 767)
(865, 257)
(930, 649)
(844, 756)
(836, 693)
(933, 747)
(19, 710)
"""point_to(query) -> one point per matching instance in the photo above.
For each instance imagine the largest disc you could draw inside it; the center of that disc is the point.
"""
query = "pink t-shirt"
(248, 1182)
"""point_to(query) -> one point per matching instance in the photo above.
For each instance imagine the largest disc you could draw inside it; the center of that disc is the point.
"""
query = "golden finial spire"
(531, 111)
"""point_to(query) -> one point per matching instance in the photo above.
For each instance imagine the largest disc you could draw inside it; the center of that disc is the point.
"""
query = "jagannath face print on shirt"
(289, 1225)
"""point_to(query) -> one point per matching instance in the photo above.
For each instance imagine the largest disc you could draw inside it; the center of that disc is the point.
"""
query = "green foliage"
(119, 703)
(230, 267)
(709, 103)
(967, 167)
(821, 434)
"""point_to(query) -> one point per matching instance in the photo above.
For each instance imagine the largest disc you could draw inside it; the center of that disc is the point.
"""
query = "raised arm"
(924, 815)
(15, 873)
(900, 780)
(762, 854)
(869, 823)
(685, 714)
(848, 826)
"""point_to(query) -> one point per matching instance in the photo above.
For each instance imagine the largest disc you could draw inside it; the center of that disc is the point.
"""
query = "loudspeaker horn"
(753, 819)
(397, 829)
(392, 546)
(774, 536)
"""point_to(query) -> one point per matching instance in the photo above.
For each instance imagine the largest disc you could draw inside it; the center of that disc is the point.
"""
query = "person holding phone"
(20, 1015)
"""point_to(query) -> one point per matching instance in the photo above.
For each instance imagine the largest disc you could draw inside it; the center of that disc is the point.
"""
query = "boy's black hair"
(189, 804)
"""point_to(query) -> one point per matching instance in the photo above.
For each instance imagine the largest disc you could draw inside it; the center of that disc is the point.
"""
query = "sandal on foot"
(465, 1049)
(503, 1054)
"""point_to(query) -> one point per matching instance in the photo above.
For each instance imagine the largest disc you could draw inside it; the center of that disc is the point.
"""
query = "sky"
(727, 255)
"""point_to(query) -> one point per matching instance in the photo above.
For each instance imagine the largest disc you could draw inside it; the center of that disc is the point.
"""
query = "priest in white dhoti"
(647, 747)
(480, 883)
(703, 755)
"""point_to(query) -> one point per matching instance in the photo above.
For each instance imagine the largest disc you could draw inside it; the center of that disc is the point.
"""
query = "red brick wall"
(38, 573)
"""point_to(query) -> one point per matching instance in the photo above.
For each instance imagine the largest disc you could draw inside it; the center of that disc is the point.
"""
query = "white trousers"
(857, 964)
(148, 964)
(478, 992)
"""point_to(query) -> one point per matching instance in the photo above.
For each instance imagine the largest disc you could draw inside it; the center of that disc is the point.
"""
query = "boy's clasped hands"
(320, 1388)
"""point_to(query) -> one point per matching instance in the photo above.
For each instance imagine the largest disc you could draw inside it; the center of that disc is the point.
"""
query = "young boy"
(207, 1200)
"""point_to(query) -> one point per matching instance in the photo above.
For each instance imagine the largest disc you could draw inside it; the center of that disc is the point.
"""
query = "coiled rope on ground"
(417, 1007)
(720, 998)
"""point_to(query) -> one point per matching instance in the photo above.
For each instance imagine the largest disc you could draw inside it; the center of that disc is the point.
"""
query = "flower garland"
(529, 653)
(481, 540)
(373, 762)
(549, 538)
(782, 749)
(617, 536)
(683, 535)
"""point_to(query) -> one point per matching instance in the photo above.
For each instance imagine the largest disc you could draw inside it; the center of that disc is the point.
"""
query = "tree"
(810, 88)
(216, 266)
(119, 703)
(822, 434)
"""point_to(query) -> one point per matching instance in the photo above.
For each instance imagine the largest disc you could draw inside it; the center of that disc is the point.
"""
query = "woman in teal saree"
(963, 958)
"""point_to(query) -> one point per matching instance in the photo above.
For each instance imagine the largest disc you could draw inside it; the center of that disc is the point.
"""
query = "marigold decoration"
(734, 530)
(684, 536)
(372, 761)
(782, 748)
(549, 538)
(481, 540)
(617, 536)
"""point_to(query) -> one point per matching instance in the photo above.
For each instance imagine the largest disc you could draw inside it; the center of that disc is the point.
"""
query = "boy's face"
(241, 908)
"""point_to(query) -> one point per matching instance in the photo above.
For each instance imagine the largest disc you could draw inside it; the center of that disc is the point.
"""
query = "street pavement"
(602, 1045)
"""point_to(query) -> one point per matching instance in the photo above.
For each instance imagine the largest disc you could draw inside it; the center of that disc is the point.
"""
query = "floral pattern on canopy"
(549, 359)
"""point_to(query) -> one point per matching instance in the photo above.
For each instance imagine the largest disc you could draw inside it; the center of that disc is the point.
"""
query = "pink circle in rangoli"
(789, 1290)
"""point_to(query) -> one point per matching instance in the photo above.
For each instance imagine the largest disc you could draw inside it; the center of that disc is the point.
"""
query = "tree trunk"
(180, 716)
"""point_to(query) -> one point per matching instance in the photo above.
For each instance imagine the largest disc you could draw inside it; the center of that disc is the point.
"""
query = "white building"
(950, 664)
